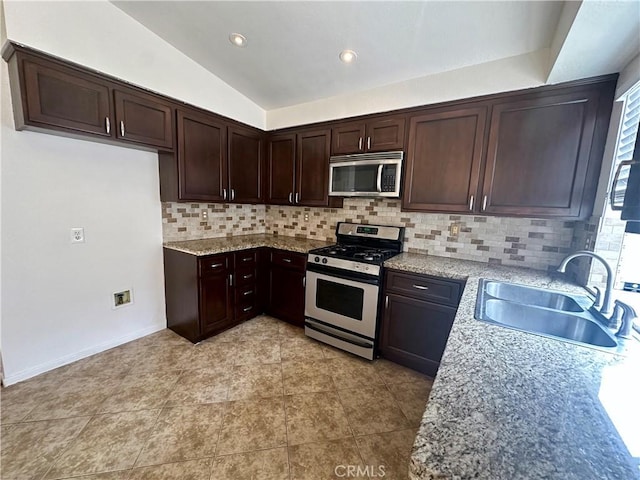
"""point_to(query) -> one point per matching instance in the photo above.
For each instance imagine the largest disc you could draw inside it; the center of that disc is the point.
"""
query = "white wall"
(100, 36)
(514, 73)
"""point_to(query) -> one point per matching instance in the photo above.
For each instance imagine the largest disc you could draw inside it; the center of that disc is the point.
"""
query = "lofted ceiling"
(293, 46)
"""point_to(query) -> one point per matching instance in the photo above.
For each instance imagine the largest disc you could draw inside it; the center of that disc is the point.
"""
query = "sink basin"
(532, 296)
(547, 322)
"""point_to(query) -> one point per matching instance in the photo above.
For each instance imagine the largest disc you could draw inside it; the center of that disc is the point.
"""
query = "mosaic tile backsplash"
(525, 242)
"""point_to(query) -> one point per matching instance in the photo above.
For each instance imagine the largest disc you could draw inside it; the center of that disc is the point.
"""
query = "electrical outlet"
(204, 214)
(120, 299)
(77, 235)
(306, 216)
(454, 229)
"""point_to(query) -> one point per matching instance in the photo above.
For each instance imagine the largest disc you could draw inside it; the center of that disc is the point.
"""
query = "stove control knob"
(317, 259)
(324, 260)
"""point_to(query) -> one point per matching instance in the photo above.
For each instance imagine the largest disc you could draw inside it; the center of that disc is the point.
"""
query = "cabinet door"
(538, 154)
(348, 138)
(385, 134)
(64, 99)
(202, 159)
(286, 299)
(415, 332)
(245, 165)
(443, 160)
(143, 119)
(216, 307)
(312, 168)
(281, 169)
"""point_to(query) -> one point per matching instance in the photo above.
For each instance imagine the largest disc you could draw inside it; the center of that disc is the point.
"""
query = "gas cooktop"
(356, 252)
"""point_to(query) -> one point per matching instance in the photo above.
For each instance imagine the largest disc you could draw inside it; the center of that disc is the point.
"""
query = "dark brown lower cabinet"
(286, 286)
(416, 323)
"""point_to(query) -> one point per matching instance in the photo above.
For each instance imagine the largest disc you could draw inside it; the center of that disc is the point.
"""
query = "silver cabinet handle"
(297, 197)
(216, 265)
(612, 193)
(122, 128)
(246, 309)
(224, 193)
(248, 275)
(421, 287)
(484, 203)
(231, 279)
(368, 143)
(247, 259)
(288, 260)
(360, 144)
(248, 292)
(471, 203)
(379, 178)
(290, 197)
(304, 282)
(107, 124)
(233, 194)
(386, 301)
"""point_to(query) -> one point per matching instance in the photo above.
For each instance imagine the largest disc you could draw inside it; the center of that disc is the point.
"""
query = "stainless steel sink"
(543, 312)
(547, 322)
(532, 296)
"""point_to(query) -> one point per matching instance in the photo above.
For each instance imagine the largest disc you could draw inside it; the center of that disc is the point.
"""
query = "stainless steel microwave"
(366, 175)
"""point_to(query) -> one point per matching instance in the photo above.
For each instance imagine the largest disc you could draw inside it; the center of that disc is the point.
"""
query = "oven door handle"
(379, 179)
(318, 328)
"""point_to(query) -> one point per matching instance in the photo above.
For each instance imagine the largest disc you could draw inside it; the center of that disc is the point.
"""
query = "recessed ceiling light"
(238, 40)
(348, 56)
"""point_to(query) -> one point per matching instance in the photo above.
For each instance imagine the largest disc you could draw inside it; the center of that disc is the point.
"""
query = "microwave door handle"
(379, 179)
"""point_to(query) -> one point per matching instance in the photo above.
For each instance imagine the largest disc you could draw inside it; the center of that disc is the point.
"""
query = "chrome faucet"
(607, 304)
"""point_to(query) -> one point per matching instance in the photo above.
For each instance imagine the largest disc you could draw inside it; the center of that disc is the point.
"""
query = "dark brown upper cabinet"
(144, 119)
(298, 169)
(202, 157)
(443, 160)
(538, 155)
(373, 136)
(51, 95)
(245, 165)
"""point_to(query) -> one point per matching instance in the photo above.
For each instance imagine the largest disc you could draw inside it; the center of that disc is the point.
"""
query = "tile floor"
(260, 401)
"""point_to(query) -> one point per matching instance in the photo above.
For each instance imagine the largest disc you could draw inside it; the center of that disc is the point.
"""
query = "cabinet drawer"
(245, 276)
(288, 259)
(424, 287)
(212, 265)
(245, 295)
(245, 258)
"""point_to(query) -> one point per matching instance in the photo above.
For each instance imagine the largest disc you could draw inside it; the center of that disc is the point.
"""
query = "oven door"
(349, 305)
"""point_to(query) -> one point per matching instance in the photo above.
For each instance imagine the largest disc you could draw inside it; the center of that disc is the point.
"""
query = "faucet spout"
(607, 303)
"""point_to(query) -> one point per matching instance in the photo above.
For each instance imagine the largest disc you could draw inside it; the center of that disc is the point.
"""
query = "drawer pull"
(420, 287)
(247, 259)
(216, 265)
(246, 309)
(248, 275)
(249, 292)
(288, 260)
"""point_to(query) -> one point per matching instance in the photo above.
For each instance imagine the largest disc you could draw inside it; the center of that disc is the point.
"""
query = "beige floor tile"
(388, 453)
(286, 330)
(332, 352)
(191, 470)
(183, 433)
(270, 464)
(255, 381)
(392, 373)
(162, 338)
(250, 425)
(116, 362)
(108, 443)
(13, 411)
(372, 410)
(207, 385)
(121, 475)
(261, 328)
(412, 399)
(212, 355)
(315, 417)
(29, 449)
(353, 373)
(302, 376)
(301, 348)
(232, 335)
(163, 358)
(325, 460)
(75, 397)
(255, 351)
(141, 391)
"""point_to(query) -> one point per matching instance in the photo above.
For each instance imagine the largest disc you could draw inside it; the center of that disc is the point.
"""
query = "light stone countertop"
(210, 246)
(511, 405)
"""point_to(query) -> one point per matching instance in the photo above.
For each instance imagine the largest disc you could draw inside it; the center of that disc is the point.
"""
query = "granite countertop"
(511, 405)
(210, 246)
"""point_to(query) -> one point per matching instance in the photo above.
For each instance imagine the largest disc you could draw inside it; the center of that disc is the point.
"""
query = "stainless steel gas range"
(343, 286)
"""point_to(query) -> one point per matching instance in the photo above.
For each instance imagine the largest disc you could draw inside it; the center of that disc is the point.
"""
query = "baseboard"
(59, 362)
